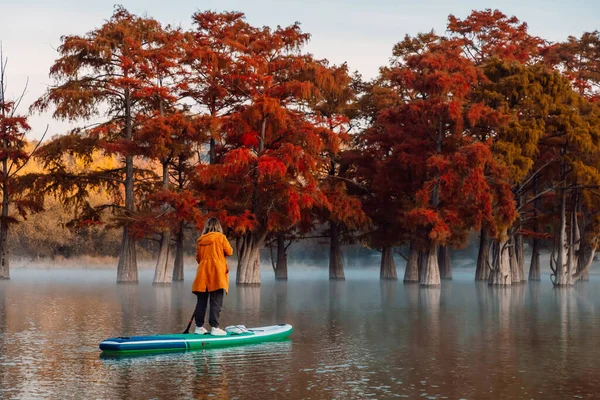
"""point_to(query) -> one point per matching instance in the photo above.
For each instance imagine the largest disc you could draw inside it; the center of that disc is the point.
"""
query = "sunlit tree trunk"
(248, 270)
(388, 267)
(411, 273)
(562, 276)
(163, 273)
(430, 275)
(500, 274)
(127, 270)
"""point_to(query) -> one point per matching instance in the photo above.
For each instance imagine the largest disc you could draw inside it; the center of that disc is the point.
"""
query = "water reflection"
(357, 338)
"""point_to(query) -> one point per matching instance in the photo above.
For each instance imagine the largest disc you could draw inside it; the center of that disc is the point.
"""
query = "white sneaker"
(217, 332)
(200, 330)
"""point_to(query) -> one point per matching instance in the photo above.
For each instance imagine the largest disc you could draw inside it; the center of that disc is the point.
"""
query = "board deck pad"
(192, 341)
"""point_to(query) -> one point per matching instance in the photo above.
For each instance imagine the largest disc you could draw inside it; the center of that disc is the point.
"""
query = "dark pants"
(216, 302)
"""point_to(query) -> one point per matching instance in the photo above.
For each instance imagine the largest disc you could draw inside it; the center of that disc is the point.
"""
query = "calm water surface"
(361, 338)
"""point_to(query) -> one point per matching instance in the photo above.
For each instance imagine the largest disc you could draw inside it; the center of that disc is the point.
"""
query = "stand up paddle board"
(192, 341)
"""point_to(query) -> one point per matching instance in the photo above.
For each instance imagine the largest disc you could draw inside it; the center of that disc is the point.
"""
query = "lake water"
(354, 339)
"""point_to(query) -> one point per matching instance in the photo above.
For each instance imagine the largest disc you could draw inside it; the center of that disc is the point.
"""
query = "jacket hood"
(208, 238)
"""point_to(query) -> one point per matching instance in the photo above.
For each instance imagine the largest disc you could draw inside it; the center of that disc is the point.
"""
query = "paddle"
(187, 330)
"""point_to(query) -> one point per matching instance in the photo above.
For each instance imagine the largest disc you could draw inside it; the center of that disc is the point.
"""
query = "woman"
(212, 276)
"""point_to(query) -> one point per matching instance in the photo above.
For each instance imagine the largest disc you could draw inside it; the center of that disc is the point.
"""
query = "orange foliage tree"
(111, 74)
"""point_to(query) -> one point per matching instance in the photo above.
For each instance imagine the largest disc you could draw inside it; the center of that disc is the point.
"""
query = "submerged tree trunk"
(585, 274)
(444, 262)
(163, 273)
(500, 274)
(430, 276)
(534, 267)
(281, 269)
(520, 251)
(127, 270)
(421, 261)
(581, 249)
(4, 253)
(388, 267)
(560, 269)
(336, 266)
(585, 266)
(411, 273)
(178, 265)
(515, 274)
(4, 256)
(248, 270)
(482, 271)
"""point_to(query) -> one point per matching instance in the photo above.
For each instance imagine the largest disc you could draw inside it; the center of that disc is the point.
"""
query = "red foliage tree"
(13, 157)
(425, 135)
(265, 171)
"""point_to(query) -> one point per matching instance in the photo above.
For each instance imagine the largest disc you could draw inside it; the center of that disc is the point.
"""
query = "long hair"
(212, 225)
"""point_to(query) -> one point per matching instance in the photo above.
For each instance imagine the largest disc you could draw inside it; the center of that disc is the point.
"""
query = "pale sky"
(358, 32)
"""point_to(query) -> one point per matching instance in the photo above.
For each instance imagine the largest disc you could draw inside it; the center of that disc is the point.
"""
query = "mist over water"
(353, 339)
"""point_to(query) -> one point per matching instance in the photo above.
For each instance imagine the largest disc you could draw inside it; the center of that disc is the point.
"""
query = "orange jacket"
(212, 273)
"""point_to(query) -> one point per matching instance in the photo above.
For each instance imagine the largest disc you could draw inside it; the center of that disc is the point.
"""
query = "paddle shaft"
(187, 330)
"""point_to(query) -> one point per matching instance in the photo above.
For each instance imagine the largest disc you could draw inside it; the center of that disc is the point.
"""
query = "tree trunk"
(127, 270)
(580, 248)
(336, 266)
(562, 277)
(248, 270)
(585, 275)
(515, 274)
(500, 274)
(4, 254)
(388, 267)
(586, 265)
(411, 273)
(421, 260)
(430, 276)
(520, 250)
(534, 267)
(178, 266)
(281, 269)
(482, 271)
(444, 262)
(163, 273)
